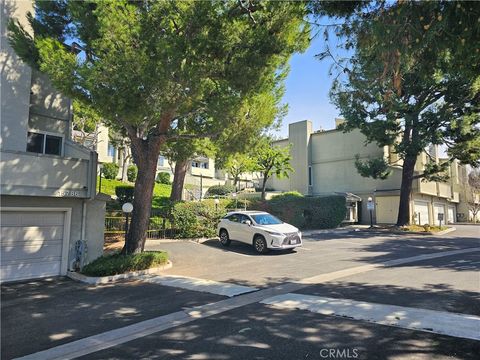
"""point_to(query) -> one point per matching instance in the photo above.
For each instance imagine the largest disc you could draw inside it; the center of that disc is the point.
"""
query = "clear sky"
(307, 87)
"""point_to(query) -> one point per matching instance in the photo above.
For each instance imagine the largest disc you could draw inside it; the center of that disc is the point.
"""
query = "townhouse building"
(52, 219)
(324, 163)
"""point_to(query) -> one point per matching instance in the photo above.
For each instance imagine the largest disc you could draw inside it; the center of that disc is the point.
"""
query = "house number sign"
(67, 193)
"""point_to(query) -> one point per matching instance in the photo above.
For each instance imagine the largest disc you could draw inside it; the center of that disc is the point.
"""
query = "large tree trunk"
(146, 154)
(405, 190)
(180, 172)
(264, 186)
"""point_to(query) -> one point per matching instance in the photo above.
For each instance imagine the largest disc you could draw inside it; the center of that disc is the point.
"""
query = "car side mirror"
(248, 222)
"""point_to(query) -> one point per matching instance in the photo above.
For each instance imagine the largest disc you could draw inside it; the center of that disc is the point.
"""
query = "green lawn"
(161, 192)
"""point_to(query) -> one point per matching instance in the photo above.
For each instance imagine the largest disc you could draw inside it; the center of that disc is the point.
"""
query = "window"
(111, 150)
(44, 143)
(161, 161)
(310, 175)
(199, 164)
(266, 219)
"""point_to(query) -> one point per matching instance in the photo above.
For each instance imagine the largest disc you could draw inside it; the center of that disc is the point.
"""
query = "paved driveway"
(321, 253)
(38, 315)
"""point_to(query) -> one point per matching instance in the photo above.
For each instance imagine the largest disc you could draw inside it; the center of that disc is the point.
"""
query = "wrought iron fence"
(159, 226)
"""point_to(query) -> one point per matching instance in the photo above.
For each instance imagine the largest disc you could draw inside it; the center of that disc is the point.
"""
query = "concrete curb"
(443, 232)
(112, 278)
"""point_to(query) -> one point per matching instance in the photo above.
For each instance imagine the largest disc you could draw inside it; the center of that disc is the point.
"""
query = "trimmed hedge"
(132, 172)
(306, 212)
(220, 190)
(110, 170)
(163, 178)
(124, 193)
(118, 264)
(196, 219)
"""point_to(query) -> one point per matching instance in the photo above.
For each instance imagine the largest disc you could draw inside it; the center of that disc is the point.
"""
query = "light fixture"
(127, 208)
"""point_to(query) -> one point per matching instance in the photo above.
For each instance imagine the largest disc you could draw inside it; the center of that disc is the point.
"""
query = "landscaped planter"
(112, 278)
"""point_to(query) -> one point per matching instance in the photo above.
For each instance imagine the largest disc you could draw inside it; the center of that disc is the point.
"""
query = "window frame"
(44, 143)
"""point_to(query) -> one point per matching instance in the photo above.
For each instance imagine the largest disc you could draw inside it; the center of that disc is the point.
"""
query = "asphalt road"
(37, 315)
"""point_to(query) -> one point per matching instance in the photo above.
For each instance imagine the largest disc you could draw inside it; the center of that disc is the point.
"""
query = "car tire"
(260, 245)
(224, 238)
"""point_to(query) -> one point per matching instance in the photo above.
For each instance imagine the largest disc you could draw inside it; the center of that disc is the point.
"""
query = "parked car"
(260, 229)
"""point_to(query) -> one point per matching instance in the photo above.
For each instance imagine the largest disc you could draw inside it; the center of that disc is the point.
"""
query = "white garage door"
(32, 244)
(421, 213)
(438, 209)
(451, 214)
(387, 209)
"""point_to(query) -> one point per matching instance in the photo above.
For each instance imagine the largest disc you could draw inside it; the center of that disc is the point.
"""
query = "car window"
(244, 218)
(266, 219)
(234, 218)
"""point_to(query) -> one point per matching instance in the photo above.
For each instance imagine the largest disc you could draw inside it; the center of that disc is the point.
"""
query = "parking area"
(51, 313)
(38, 315)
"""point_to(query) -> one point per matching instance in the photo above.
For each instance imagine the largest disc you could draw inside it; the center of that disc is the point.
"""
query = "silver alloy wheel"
(224, 240)
(259, 244)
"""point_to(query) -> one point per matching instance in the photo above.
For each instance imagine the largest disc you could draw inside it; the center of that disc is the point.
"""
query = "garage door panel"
(421, 213)
(29, 252)
(387, 209)
(30, 270)
(32, 218)
(31, 244)
(31, 233)
(451, 214)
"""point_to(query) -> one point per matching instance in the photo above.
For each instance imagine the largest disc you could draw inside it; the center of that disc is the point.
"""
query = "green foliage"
(110, 170)
(85, 118)
(132, 172)
(124, 193)
(376, 168)
(193, 219)
(118, 264)
(287, 195)
(163, 178)
(306, 212)
(238, 164)
(220, 190)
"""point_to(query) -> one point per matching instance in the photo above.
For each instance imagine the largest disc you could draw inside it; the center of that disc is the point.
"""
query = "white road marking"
(437, 322)
(208, 286)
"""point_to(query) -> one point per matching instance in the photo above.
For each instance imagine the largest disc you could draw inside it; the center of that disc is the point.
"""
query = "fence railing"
(159, 227)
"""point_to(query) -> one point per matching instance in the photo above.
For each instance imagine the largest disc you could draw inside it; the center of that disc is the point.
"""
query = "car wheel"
(224, 238)
(260, 245)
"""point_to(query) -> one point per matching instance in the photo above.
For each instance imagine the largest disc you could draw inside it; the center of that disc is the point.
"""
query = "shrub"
(196, 219)
(220, 190)
(110, 170)
(124, 193)
(163, 178)
(306, 212)
(119, 264)
(132, 172)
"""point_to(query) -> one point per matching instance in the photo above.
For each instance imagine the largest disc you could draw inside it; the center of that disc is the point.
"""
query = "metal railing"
(159, 227)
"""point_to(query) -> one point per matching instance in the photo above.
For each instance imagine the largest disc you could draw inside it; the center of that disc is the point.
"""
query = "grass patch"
(418, 228)
(108, 187)
(118, 264)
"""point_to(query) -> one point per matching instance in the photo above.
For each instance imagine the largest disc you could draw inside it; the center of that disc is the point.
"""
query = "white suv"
(260, 229)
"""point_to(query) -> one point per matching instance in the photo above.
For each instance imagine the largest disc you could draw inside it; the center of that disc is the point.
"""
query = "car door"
(233, 226)
(244, 230)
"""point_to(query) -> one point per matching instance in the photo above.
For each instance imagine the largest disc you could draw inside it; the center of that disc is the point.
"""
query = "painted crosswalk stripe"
(438, 322)
(202, 285)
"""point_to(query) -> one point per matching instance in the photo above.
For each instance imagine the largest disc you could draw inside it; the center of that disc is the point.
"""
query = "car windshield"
(266, 219)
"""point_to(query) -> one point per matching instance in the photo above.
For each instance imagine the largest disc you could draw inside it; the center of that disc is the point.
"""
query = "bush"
(110, 170)
(124, 193)
(305, 212)
(163, 178)
(132, 172)
(193, 219)
(220, 190)
(119, 264)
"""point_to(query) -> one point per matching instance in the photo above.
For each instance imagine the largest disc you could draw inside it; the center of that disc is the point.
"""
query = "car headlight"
(274, 233)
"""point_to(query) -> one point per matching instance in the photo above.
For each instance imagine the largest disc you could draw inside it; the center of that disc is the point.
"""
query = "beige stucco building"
(51, 215)
(324, 163)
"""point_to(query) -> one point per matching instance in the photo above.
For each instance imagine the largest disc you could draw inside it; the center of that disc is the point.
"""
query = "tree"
(144, 65)
(272, 160)
(238, 164)
(413, 81)
(85, 122)
(473, 193)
